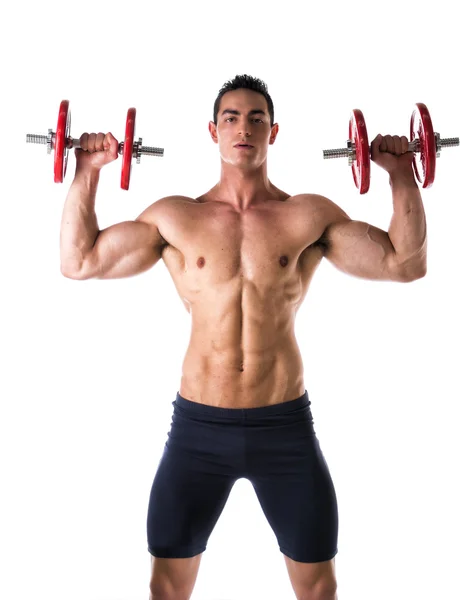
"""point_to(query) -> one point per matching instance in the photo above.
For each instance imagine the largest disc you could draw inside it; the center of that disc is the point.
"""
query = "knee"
(324, 591)
(327, 592)
(159, 593)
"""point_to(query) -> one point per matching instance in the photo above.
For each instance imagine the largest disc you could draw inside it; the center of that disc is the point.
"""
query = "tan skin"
(242, 256)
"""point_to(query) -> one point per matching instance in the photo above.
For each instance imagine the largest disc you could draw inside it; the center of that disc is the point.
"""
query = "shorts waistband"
(282, 408)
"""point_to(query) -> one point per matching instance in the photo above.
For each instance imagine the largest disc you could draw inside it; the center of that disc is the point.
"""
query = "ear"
(212, 130)
(274, 132)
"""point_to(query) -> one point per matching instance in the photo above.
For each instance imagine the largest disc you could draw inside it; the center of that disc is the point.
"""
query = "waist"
(242, 380)
(210, 412)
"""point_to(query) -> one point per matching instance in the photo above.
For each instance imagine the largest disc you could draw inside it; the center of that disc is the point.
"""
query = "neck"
(243, 188)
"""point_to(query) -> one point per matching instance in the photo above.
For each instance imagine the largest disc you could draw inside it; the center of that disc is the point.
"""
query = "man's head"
(244, 112)
(248, 83)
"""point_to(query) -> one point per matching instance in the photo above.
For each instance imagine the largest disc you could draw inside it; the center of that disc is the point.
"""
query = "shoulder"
(326, 216)
(165, 204)
(323, 206)
(174, 200)
(163, 213)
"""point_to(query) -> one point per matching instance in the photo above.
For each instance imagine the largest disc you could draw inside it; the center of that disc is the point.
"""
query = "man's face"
(243, 117)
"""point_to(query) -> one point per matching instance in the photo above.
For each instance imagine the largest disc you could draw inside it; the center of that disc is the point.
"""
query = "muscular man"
(242, 257)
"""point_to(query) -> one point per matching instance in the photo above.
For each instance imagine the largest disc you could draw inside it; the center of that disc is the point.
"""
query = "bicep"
(123, 250)
(127, 248)
(361, 250)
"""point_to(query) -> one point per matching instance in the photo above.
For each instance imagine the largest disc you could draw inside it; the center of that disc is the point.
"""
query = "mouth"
(243, 146)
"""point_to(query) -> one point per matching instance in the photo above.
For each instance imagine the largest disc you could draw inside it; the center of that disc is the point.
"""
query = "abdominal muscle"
(221, 382)
(220, 370)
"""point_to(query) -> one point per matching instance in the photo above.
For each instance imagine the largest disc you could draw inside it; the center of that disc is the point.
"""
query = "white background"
(90, 368)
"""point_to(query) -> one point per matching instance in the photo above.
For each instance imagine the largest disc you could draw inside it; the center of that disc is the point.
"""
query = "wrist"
(87, 174)
(403, 178)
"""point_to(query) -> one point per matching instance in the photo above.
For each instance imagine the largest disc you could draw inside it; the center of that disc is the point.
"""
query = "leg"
(313, 581)
(173, 578)
(190, 489)
(293, 485)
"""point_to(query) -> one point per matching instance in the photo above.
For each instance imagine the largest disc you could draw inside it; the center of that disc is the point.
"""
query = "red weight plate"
(60, 149)
(128, 149)
(359, 137)
(423, 161)
(66, 149)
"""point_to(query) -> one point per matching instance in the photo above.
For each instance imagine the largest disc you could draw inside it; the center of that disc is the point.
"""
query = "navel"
(201, 262)
(284, 261)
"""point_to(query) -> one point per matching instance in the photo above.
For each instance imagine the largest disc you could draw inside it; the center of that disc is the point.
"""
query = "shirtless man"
(242, 257)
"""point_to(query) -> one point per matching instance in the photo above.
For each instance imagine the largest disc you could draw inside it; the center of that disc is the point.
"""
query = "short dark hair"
(249, 83)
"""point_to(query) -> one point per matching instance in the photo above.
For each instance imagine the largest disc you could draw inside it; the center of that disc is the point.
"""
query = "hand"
(97, 150)
(391, 154)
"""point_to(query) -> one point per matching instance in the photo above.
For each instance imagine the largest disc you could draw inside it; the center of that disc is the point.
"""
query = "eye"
(253, 119)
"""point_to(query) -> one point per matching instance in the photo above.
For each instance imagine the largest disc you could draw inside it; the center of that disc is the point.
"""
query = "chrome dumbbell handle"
(414, 146)
(49, 139)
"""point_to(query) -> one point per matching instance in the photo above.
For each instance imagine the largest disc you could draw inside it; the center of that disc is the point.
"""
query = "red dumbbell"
(61, 142)
(424, 143)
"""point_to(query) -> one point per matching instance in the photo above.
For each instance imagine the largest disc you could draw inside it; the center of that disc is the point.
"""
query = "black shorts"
(274, 447)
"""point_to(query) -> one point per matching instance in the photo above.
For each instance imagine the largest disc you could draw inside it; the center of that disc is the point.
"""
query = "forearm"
(407, 230)
(79, 228)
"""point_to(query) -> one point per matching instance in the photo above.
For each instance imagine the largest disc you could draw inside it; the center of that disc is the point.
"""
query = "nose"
(245, 129)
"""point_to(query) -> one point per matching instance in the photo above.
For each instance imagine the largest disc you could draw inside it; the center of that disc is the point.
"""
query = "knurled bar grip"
(414, 146)
(33, 138)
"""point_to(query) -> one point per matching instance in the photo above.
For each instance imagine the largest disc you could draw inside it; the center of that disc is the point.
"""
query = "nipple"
(284, 261)
(201, 262)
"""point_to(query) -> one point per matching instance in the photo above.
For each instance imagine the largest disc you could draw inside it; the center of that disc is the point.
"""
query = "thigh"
(186, 500)
(295, 490)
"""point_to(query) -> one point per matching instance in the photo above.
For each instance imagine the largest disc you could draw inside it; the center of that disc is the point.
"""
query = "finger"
(404, 144)
(375, 144)
(91, 142)
(377, 140)
(389, 143)
(83, 141)
(111, 144)
(397, 145)
(99, 145)
(383, 146)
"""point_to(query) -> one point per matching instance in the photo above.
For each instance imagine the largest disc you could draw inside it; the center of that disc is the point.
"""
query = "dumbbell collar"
(137, 149)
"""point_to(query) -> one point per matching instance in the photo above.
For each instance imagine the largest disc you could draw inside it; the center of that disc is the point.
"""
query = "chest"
(267, 243)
